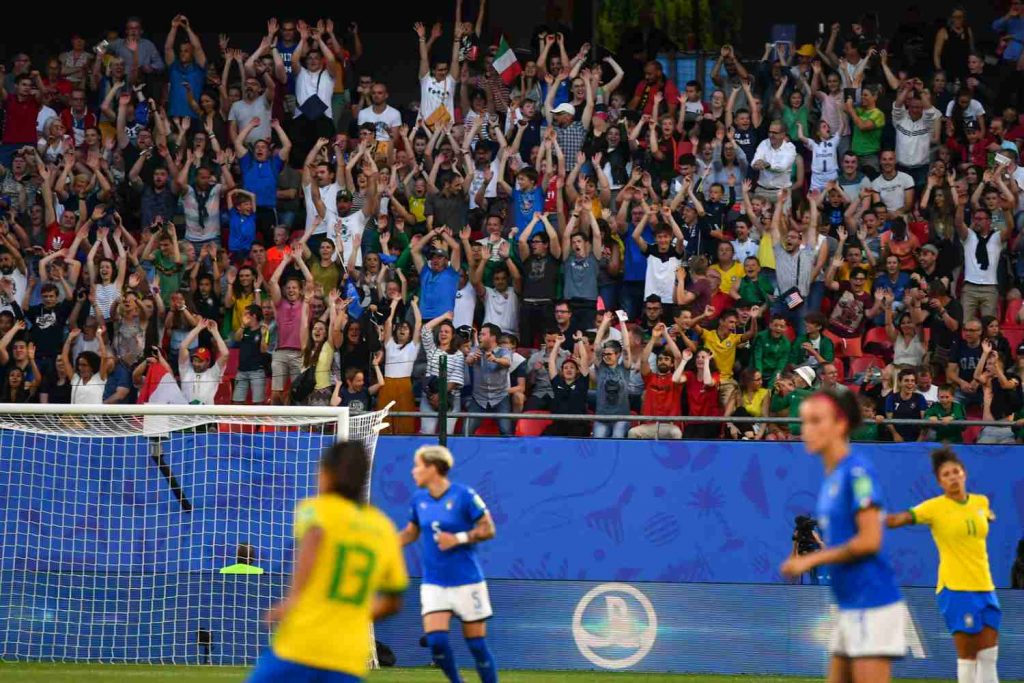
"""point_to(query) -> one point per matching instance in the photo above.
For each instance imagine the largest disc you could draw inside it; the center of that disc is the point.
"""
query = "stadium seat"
(487, 427)
(971, 435)
(231, 369)
(1012, 309)
(859, 365)
(1015, 335)
(790, 333)
(224, 391)
(838, 362)
(877, 335)
(532, 427)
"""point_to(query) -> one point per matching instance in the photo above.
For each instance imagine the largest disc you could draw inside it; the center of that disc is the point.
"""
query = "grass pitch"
(121, 673)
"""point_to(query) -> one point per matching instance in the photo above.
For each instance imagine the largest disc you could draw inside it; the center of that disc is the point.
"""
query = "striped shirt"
(456, 361)
(913, 138)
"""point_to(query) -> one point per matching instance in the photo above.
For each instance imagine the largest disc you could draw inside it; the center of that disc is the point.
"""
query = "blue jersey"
(457, 510)
(850, 488)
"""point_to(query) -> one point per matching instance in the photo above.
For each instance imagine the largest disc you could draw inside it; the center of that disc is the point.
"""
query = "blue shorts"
(272, 669)
(969, 611)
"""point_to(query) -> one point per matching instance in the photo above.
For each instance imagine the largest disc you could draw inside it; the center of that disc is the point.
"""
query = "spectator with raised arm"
(88, 374)
(187, 72)
(314, 87)
(200, 375)
(140, 56)
(663, 388)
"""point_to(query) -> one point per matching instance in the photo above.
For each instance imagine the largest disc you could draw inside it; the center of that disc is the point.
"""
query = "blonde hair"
(436, 455)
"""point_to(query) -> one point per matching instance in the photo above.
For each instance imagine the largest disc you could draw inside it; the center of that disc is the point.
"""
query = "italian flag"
(505, 62)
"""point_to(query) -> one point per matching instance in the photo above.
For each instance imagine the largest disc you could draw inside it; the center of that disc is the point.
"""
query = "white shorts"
(872, 632)
(469, 603)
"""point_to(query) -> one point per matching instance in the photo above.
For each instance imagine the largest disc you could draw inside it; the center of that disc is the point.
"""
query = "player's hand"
(276, 613)
(446, 541)
(796, 565)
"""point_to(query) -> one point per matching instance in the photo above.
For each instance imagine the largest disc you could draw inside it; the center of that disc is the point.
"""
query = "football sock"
(966, 671)
(441, 652)
(485, 664)
(987, 665)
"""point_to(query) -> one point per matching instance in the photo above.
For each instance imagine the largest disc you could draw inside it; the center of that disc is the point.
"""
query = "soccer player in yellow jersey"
(348, 572)
(966, 595)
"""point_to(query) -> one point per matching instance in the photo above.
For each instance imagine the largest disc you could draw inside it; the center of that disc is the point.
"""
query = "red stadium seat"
(877, 335)
(971, 435)
(1012, 309)
(790, 333)
(532, 427)
(1015, 335)
(231, 369)
(859, 365)
(487, 427)
(224, 391)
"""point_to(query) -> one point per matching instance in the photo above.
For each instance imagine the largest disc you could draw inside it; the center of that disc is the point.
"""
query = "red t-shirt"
(701, 400)
(57, 238)
(275, 255)
(645, 95)
(20, 124)
(662, 396)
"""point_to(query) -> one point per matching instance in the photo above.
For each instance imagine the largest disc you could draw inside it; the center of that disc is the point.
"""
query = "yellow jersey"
(360, 556)
(723, 350)
(959, 530)
(730, 276)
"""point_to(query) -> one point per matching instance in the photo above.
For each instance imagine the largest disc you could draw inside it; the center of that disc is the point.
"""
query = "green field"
(31, 673)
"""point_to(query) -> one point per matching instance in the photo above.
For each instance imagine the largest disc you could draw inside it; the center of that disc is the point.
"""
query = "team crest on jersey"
(423, 506)
(969, 620)
(448, 505)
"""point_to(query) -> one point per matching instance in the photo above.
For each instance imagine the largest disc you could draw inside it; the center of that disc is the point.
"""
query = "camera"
(804, 535)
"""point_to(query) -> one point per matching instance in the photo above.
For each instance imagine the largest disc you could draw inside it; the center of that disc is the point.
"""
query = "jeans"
(631, 296)
(534, 318)
(616, 430)
(428, 425)
(610, 295)
(794, 317)
(816, 296)
(502, 406)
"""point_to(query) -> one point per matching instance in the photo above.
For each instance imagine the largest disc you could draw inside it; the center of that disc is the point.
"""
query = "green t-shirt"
(866, 142)
(795, 399)
(791, 117)
(950, 433)
(866, 432)
(756, 291)
(169, 274)
(327, 276)
(770, 355)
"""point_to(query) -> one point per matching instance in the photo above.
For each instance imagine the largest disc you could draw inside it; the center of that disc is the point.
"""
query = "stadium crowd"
(572, 233)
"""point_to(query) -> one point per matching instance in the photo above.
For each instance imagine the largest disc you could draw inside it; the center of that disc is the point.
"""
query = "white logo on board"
(628, 623)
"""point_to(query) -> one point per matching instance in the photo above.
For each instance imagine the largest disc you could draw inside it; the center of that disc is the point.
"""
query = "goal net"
(153, 534)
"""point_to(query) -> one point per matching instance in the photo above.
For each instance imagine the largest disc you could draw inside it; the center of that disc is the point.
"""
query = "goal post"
(154, 533)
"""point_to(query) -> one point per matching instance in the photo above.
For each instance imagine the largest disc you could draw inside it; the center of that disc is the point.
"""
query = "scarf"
(981, 251)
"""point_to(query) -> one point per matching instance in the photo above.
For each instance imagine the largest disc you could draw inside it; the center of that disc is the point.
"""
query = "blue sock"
(441, 651)
(485, 664)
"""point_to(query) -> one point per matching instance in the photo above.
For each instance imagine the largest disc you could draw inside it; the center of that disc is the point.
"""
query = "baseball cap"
(202, 353)
(344, 195)
(932, 248)
(564, 108)
(437, 252)
(806, 50)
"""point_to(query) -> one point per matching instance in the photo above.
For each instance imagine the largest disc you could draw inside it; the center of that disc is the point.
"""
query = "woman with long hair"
(401, 347)
(938, 206)
(953, 43)
(965, 593)
(16, 389)
(991, 332)
(752, 400)
(108, 277)
(872, 616)
(240, 293)
(907, 337)
(319, 341)
(448, 344)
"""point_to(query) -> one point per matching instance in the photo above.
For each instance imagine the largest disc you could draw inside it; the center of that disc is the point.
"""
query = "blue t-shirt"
(242, 232)
(177, 98)
(437, 291)
(119, 377)
(524, 204)
(286, 57)
(458, 509)
(561, 95)
(260, 178)
(853, 486)
(636, 262)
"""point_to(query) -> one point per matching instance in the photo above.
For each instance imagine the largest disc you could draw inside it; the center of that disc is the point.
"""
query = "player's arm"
(898, 519)
(409, 534)
(305, 560)
(483, 530)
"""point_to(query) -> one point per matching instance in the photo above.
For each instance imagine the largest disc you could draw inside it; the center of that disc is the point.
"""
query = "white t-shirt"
(90, 393)
(973, 111)
(891, 189)
(384, 121)
(243, 112)
(398, 360)
(329, 196)
(18, 285)
(478, 180)
(200, 388)
(502, 309)
(434, 94)
(306, 85)
(972, 273)
(465, 306)
(743, 250)
(661, 274)
(823, 161)
(351, 225)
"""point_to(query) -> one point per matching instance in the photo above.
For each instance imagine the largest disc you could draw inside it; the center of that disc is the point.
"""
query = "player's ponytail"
(941, 456)
(845, 406)
(347, 467)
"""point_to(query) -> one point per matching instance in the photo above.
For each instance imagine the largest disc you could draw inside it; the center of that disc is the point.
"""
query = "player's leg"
(473, 607)
(839, 670)
(436, 610)
(871, 670)
(272, 669)
(986, 645)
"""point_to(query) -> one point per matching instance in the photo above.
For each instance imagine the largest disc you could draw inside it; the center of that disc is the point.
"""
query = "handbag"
(313, 108)
(303, 385)
(792, 296)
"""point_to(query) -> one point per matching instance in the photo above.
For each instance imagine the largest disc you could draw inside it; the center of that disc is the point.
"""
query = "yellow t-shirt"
(753, 403)
(959, 531)
(360, 556)
(730, 276)
(241, 303)
(323, 366)
(723, 350)
(766, 250)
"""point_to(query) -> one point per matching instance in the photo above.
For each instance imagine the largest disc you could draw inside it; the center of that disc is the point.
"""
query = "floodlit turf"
(31, 673)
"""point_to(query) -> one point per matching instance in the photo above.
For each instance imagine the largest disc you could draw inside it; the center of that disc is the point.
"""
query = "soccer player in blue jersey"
(869, 632)
(455, 519)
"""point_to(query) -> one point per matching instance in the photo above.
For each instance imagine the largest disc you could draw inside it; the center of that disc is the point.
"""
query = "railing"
(688, 419)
